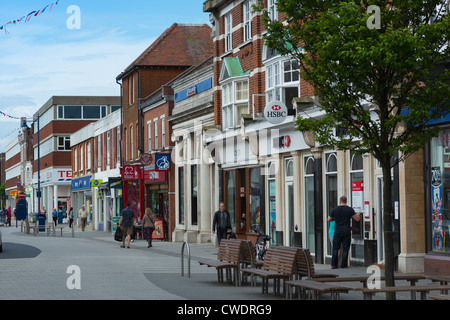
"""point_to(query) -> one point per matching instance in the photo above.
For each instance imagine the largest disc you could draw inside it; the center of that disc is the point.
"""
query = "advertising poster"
(272, 212)
(358, 196)
(159, 230)
(436, 200)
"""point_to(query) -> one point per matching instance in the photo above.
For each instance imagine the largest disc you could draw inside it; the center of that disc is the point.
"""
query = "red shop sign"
(130, 173)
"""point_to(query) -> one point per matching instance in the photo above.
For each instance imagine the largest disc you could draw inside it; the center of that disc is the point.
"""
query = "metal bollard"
(189, 259)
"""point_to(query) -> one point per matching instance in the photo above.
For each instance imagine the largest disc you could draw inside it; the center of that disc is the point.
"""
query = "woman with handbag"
(148, 226)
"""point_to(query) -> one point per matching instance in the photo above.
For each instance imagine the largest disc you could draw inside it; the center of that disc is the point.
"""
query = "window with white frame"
(234, 102)
(108, 148)
(228, 32)
(75, 160)
(272, 9)
(131, 90)
(132, 143)
(163, 133)
(156, 133)
(118, 146)
(64, 144)
(81, 158)
(247, 11)
(149, 129)
(99, 152)
(282, 78)
(88, 156)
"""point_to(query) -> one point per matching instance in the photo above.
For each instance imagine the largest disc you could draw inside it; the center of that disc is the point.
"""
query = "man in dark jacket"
(221, 222)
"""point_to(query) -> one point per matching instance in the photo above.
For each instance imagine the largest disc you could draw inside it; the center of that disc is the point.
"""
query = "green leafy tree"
(374, 71)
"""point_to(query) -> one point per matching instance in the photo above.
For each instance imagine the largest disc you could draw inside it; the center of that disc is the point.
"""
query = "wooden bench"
(305, 267)
(363, 279)
(316, 289)
(229, 257)
(440, 297)
(29, 227)
(368, 293)
(279, 264)
(443, 280)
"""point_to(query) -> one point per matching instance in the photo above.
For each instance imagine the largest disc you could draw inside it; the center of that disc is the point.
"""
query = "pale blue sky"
(42, 57)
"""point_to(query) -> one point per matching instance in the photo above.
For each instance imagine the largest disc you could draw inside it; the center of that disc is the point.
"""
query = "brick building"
(177, 49)
(55, 122)
(95, 167)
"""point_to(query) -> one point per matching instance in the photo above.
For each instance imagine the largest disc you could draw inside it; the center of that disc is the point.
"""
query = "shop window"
(440, 192)
(181, 195)
(309, 203)
(272, 203)
(194, 213)
(231, 197)
(331, 191)
(255, 199)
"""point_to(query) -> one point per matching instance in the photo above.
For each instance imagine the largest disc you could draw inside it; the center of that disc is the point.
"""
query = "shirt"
(127, 217)
(342, 216)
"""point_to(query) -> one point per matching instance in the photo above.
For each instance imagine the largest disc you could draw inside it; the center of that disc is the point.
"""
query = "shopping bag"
(118, 234)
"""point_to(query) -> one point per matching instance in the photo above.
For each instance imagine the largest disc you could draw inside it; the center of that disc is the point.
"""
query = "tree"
(373, 68)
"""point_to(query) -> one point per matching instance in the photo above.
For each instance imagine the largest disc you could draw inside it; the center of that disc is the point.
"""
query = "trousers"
(344, 239)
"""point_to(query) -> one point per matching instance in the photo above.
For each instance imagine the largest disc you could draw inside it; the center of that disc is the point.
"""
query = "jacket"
(224, 223)
(148, 221)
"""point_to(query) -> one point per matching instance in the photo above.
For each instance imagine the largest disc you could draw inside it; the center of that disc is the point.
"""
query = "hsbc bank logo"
(275, 112)
(276, 107)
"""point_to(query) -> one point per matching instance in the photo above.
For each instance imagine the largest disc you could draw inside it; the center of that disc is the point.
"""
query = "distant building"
(59, 118)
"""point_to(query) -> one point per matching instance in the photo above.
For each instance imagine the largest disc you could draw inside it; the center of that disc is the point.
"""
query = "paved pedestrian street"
(42, 268)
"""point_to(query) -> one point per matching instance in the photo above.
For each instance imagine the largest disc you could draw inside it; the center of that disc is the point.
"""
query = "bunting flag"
(13, 117)
(28, 17)
(9, 134)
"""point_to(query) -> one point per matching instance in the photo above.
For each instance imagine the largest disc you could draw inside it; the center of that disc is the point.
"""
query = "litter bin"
(41, 221)
(370, 252)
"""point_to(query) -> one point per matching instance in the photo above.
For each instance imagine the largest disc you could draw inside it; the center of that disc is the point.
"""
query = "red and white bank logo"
(275, 112)
(276, 107)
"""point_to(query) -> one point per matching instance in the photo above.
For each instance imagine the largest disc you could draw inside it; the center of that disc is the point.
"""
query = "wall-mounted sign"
(282, 142)
(162, 161)
(275, 112)
(130, 173)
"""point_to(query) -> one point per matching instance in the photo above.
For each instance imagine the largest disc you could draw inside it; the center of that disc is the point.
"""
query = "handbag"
(118, 234)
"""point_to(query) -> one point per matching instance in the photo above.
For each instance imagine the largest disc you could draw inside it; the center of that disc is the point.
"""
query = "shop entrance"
(244, 200)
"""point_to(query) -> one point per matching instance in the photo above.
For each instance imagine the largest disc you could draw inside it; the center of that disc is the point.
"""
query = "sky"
(46, 56)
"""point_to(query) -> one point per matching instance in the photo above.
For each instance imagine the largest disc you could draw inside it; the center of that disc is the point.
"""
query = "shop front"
(157, 199)
(437, 203)
(82, 196)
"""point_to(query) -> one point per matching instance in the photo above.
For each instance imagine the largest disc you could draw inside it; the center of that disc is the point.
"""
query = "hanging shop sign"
(162, 161)
(275, 112)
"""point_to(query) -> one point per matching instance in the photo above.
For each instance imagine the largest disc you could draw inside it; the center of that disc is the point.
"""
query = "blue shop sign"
(193, 90)
(162, 161)
(81, 183)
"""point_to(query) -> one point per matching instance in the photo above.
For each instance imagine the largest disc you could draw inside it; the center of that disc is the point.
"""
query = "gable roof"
(179, 45)
(231, 67)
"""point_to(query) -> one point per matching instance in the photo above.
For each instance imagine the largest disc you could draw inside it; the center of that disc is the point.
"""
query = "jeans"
(221, 234)
(345, 239)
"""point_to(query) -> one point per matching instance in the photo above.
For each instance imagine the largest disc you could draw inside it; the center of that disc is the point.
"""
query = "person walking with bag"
(83, 214)
(148, 226)
(126, 223)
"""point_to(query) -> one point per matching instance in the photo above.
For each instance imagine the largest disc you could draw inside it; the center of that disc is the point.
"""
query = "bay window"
(235, 96)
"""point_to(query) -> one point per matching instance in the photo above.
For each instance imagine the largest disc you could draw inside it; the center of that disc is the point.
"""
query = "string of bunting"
(12, 117)
(9, 134)
(28, 17)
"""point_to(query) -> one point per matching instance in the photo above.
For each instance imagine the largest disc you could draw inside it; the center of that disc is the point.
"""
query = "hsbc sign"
(275, 112)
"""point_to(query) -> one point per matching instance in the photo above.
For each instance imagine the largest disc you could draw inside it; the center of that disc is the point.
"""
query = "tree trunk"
(387, 229)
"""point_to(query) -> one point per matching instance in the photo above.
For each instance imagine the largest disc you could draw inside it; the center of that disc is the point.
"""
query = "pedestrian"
(126, 223)
(82, 213)
(148, 226)
(70, 217)
(221, 222)
(55, 217)
(331, 236)
(341, 215)
(8, 216)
